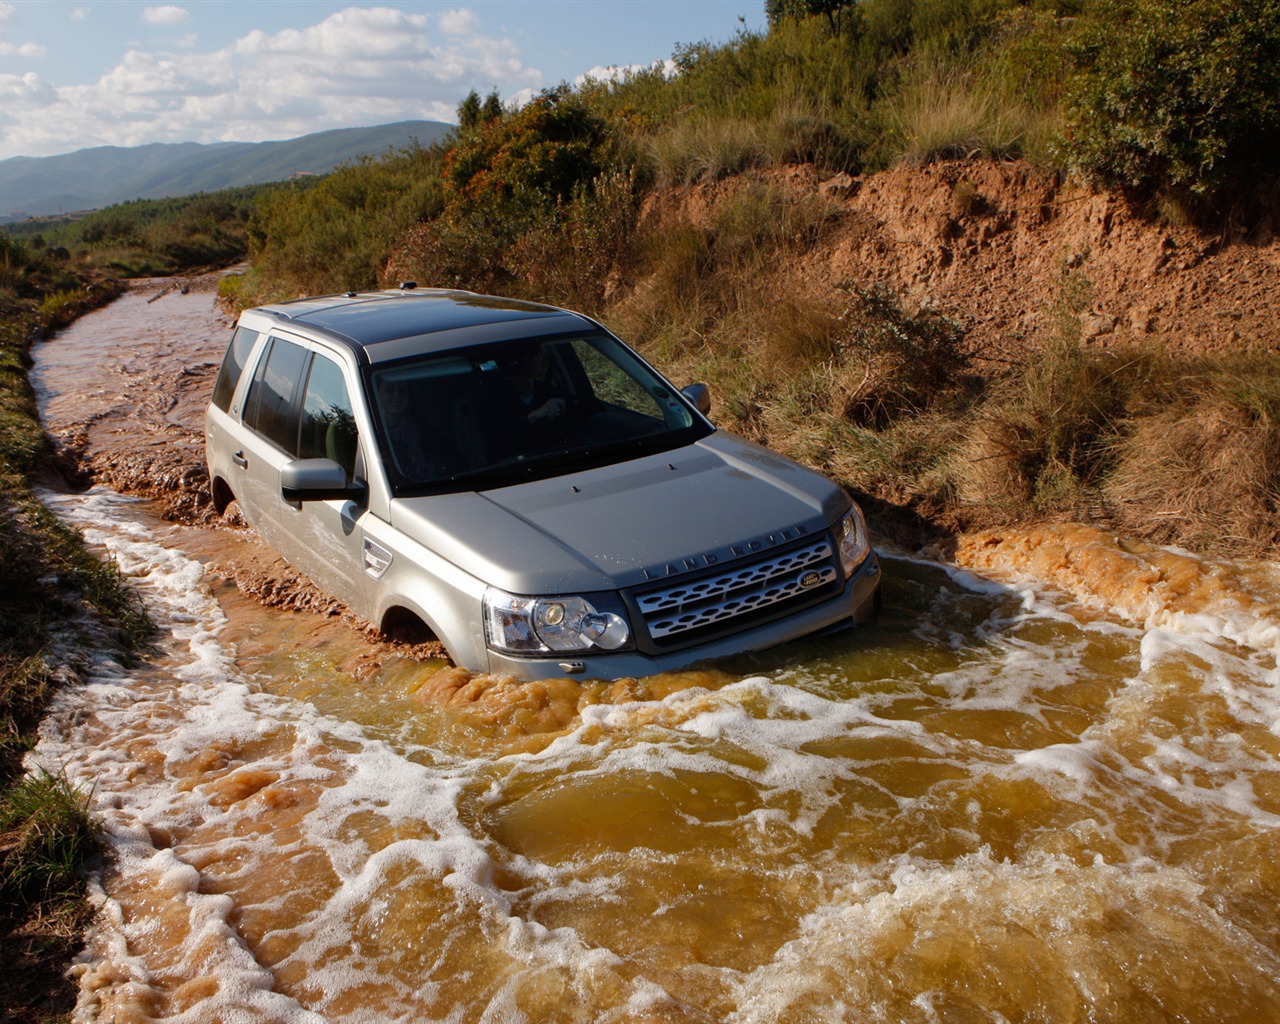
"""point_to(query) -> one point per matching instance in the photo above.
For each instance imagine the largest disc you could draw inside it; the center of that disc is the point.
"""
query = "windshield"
(497, 413)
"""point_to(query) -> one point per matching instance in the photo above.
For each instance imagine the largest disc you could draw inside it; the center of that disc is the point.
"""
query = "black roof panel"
(370, 318)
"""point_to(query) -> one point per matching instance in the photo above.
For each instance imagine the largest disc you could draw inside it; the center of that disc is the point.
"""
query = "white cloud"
(458, 22)
(24, 93)
(360, 66)
(620, 72)
(9, 16)
(80, 13)
(30, 50)
(168, 14)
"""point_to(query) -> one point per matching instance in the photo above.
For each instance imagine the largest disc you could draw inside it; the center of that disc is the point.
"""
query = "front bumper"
(856, 603)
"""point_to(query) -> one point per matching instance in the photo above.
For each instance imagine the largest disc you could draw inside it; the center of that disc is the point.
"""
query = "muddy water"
(1044, 786)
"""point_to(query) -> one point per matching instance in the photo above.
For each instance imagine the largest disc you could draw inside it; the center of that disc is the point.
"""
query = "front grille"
(717, 602)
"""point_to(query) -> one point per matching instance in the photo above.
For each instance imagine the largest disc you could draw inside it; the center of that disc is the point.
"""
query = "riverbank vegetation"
(55, 596)
(1169, 104)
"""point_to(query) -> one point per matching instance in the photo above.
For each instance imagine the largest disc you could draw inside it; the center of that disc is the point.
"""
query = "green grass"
(47, 835)
(48, 581)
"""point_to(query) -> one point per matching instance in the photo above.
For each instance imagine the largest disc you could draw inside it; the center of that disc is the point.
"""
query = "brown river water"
(1043, 786)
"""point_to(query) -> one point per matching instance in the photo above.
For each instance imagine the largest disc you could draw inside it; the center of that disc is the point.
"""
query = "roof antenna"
(408, 286)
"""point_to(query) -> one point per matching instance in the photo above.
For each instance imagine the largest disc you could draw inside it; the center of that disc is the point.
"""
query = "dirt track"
(123, 394)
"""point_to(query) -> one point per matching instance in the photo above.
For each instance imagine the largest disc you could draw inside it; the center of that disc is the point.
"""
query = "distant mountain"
(90, 179)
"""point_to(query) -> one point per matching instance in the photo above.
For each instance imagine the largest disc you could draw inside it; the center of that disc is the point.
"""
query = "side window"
(328, 427)
(269, 404)
(242, 343)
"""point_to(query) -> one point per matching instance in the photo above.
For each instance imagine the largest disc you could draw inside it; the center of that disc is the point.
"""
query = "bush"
(534, 203)
(543, 153)
(1175, 96)
(338, 234)
(909, 362)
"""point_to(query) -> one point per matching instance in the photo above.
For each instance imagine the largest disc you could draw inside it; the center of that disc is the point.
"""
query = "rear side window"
(269, 405)
(233, 362)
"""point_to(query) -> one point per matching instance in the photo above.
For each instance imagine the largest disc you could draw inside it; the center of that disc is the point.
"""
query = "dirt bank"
(992, 244)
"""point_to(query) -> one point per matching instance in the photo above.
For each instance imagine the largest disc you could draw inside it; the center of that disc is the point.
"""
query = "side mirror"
(700, 396)
(316, 480)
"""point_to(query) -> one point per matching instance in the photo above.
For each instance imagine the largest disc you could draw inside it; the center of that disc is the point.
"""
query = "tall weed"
(45, 835)
(950, 112)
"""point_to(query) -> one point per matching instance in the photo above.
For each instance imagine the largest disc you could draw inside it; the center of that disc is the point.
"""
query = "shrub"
(338, 234)
(534, 202)
(1177, 96)
(578, 253)
(541, 154)
(908, 362)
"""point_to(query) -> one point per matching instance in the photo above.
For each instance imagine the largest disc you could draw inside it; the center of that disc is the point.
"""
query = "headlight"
(547, 625)
(851, 534)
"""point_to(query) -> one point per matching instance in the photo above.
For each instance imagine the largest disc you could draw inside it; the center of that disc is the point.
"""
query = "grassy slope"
(48, 581)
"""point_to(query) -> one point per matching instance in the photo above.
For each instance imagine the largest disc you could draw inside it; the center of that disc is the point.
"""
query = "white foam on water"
(883, 944)
(200, 702)
(787, 747)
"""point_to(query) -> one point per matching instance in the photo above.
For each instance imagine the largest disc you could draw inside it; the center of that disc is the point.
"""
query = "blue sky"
(81, 73)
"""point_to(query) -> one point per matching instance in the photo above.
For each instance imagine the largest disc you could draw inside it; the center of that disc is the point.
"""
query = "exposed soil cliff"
(992, 244)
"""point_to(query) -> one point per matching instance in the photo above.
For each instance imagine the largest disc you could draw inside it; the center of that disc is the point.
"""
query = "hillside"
(105, 175)
(994, 245)
(1108, 367)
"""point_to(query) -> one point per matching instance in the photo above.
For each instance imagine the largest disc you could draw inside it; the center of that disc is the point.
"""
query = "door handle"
(239, 459)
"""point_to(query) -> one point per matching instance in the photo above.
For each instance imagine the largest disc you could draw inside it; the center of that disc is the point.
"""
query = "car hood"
(617, 526)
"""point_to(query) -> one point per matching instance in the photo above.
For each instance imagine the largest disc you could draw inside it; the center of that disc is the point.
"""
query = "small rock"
(840, 186)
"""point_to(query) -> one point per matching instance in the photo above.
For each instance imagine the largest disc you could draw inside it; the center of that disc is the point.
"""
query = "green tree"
(469, 112)
(777, 10)
(492, 110)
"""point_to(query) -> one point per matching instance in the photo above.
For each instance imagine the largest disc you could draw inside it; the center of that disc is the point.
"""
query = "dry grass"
(946, 113)
(881, 397)
(1205, 476)
(704, 149)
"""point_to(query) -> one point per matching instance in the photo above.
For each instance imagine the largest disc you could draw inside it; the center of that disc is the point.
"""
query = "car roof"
(389, 324)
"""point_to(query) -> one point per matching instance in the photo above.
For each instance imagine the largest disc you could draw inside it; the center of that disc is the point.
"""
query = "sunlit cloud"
(8, 17)
(459, 22)
(169, 14)
(360, 66)
(22, 93)
(30, 50)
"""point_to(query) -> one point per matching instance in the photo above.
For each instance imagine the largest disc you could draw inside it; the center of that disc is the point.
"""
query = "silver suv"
(513, 480)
